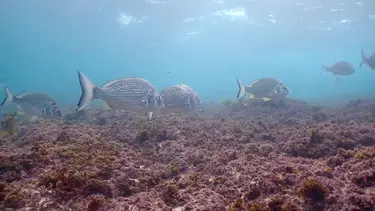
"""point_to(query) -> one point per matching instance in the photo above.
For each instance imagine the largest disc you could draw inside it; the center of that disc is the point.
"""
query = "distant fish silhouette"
(370, 61)
(340, 68)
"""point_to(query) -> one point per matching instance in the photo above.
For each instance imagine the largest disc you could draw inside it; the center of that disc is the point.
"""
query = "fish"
(180, 98)
(33, 103)
(340, 68)
(129, 94)
(370, 61)
(264, 88)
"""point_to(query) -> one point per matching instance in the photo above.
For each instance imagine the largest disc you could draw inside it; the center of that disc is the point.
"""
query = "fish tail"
(241, 90)
(8, 97)
(88, 91)
(324, 68)
(364, 58)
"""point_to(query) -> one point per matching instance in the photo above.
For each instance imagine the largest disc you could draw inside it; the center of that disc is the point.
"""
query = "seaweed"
(363, 155)
(11, 196)
(170, 195)
(253, 192)
(314, 193)
(312, 190)
(96, 202)
(237, 205)
(174, 169)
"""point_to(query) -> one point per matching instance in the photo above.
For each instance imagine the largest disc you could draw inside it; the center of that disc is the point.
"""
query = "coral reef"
(272, 156)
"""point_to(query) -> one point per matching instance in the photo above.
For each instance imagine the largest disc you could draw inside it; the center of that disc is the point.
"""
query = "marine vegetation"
(227, 102)
(255, 158)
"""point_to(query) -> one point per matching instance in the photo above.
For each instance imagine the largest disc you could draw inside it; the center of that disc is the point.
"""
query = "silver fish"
(180, 98)
(33, 103)
(130, 94)
(370, 61)
(340, 68)
(264, 88)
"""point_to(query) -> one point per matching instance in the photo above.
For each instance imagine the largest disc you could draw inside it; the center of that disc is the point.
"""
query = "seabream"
(180, 98)
(129, 94)
(33, 103)
(343, 68)
(264, 88)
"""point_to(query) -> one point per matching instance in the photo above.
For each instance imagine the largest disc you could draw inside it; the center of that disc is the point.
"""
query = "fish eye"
(158, 98)
(144, 102)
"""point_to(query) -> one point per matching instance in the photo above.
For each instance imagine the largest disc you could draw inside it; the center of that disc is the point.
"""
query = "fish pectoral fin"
(266, 99)
(19, 110)
(106, 106)
(190, 106)
(149, 115)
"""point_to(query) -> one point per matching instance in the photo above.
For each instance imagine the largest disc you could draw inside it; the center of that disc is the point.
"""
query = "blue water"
(44, 42)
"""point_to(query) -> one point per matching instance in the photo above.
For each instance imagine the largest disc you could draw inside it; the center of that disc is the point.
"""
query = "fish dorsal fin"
(22, 93)
(108, 83)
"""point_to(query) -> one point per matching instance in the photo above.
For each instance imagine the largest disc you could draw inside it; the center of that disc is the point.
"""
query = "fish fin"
(88, 91)
(22, 93)
(8, 96)
(241, 90)
(149, 115)
(266, 99)
(190, 106)
(364, 59)
(105, 106)
(20, 111)
(251, 96)
(324, 69)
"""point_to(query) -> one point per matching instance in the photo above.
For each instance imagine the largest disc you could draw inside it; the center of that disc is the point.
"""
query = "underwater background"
(313, 151)
(205, 44)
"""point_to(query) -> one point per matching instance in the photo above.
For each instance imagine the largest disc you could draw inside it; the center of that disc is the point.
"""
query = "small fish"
(33, 103)
(340, 68)
(9, 125)
(180, 98)
(264, 88)
(370, 61)
(130, 94)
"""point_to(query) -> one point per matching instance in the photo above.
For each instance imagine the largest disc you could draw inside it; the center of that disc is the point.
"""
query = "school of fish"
(141, 96)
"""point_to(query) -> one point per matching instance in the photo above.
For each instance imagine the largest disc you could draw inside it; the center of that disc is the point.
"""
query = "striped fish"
(264, 88)
(180, 98)
(129, 94)
(33, 103)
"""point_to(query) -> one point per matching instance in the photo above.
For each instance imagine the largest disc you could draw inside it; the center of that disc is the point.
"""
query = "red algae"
(274, 156)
